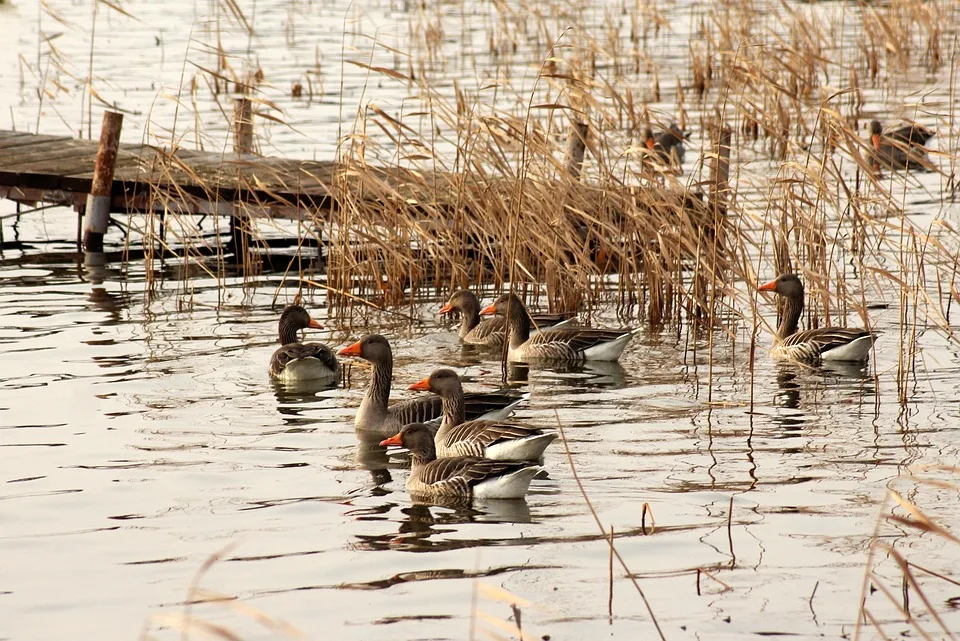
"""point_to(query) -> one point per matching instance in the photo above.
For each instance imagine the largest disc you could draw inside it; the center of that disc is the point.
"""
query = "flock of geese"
(461, 444)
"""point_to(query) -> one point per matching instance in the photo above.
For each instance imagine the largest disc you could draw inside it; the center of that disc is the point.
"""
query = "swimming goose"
(296, 361)
(575, 344)
(489, 331)
(667, 145)
(459, 476)
(902, 148)
(488, 439)
(813, 345)
(375, 415)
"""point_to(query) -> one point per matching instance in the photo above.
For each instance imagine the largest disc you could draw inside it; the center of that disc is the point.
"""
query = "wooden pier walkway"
(59, 170)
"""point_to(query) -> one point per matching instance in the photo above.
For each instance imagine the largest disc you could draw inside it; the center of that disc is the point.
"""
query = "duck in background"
(296, 361)
(667, 145)
(903, 148)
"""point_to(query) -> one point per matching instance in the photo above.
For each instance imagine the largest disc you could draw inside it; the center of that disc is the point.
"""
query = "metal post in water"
(98, 200)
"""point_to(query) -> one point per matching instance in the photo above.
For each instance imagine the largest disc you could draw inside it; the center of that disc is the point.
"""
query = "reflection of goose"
(489, 439)
(296, 361)
(461, 476)
(376, 415)
(490, 331)
(813, 345)
(575, 344)
(902, 148)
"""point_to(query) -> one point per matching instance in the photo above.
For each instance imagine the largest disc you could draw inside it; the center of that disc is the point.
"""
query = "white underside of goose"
(306, 369)
(508, 486)
(529, 448)
(608, 351)
(856, 350)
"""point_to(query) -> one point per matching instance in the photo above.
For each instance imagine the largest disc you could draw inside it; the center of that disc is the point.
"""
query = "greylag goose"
(296, 361)
(489, 331)
(459, 476)
(902, 148)
(667, 145)
(376, 415)
(813, 345)
(494, 440)
(575, 344)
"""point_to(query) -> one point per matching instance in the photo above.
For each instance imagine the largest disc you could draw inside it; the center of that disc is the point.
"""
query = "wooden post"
(720, 168)
(98, 200)
(242, 144)
(243, 126)
(576, 146)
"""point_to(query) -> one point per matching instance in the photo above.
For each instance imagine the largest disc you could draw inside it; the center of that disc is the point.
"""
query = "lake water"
(140, 435)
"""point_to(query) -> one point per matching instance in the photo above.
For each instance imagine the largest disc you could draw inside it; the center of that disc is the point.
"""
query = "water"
(141, 438)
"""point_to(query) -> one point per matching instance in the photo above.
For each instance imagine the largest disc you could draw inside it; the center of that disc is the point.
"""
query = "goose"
(813, 345)
(458, 476)
(376, 415)
(296, 361)
(493, 440)
(489, 332)
(667, 145)
(902, 148)
(575, 344)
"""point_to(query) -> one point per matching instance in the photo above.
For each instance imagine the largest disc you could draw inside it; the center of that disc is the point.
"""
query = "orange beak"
(421, 386)
(651, 143)
(769, 287)
(350, 350)
(488, 310)
(876, 141)
(314, 324)
(446, 309)
(393, 440)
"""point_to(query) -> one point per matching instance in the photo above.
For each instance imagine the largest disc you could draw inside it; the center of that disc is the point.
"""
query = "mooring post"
(720, 168)
(243, 126)
(98, 200)
(242, 144)
(576, 146)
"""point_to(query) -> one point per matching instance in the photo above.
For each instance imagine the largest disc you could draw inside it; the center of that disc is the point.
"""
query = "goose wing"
(457, 475)
(422, 409)
(429, 409)
(488, 332)
(476, 404)
(298, 351)
(811, 344)
(474, 436)
(577, 339)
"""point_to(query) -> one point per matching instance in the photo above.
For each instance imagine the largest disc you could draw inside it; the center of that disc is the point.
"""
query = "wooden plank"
(18, 139)
(61, 165)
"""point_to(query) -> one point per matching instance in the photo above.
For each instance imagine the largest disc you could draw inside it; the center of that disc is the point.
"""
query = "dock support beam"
(98, 200)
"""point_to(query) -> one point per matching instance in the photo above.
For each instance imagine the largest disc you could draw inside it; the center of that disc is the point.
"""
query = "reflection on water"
(173, 419)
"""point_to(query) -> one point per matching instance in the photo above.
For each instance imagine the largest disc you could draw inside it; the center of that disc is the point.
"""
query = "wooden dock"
(58, 170)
